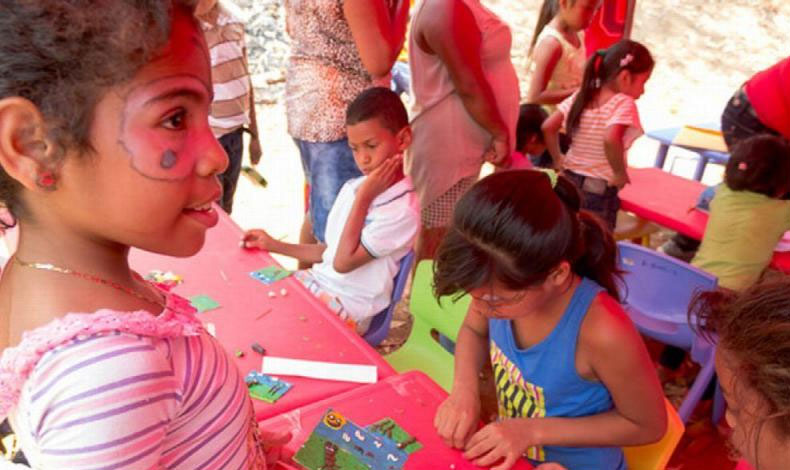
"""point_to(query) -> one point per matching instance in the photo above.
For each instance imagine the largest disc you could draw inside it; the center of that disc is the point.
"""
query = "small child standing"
(106, 145)
(602, 121)
(372, 224)
(573, 378)
(557, 53)
(749, 213)
(753, 367)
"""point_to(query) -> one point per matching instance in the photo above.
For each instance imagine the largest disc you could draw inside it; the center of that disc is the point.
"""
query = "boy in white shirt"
(373, 222)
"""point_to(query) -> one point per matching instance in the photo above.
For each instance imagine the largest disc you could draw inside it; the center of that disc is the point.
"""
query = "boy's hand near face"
(387, 174)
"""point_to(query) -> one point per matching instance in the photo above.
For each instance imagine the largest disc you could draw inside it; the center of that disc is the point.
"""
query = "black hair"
(760, 164)
(513, 227)
(530, 118)
(603, 67)
(548, 11)
(381, 103)
(63, 55)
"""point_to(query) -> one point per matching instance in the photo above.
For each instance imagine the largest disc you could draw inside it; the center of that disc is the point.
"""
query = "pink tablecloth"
(410, 399)
(297, 326)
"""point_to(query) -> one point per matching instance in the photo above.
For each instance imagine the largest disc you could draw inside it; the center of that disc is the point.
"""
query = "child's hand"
(620, 180)
(257, 238)
(457, 417)
(498, 152)
(273, 445)
(387, 174)
(507, 439)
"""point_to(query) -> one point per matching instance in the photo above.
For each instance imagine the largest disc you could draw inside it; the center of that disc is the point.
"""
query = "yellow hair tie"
(552, 176)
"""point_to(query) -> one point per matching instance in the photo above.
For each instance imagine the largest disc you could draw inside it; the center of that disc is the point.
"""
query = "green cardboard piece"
(203, 303)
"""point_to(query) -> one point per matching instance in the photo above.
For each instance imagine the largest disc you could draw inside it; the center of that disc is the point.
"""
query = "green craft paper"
(203, 303)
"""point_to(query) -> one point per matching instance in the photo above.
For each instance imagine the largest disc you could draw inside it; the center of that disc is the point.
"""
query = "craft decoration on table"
(270, 274)
(203, 303)
(388, 428)
(338, 444)
(265, 387)
(166, 278)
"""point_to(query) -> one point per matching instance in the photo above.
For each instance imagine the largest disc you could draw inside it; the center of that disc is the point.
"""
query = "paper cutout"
(167, 278)
(320, 369)
(266, 388)
(700, 137)
(337, 443)
(203, 303)
(388, 428)
(270, 274)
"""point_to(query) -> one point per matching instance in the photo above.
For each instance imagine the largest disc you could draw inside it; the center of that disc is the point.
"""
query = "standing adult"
(466, 96)
(233, 108)
(339, 48)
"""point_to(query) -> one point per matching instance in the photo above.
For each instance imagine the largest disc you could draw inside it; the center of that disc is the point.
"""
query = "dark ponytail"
(603, 67)
(547, 13)
(514, 227)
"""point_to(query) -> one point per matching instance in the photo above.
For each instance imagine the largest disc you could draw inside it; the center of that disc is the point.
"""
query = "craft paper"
(266, 388)
(388, 428)
(203, 303)
(319, 370)
(270, 274)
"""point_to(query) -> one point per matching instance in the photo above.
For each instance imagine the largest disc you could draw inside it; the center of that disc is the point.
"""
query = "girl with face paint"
(105, 145)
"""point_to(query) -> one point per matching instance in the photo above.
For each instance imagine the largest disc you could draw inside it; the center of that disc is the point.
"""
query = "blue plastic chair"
(657, 292)
(380, 325)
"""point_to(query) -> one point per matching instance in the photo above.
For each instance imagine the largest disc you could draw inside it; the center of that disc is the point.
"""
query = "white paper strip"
(319, 370)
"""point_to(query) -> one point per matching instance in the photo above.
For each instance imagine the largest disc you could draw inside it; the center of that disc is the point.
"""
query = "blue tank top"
(542, 381)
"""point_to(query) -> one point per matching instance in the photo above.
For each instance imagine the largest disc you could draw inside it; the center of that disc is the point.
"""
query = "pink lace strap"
(17, 363)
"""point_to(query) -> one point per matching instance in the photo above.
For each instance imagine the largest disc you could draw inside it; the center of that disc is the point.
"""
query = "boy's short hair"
(760, 164)
(381, 103)
(530, 118)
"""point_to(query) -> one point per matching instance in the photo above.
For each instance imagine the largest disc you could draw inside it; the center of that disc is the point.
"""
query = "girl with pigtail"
(573, 378)
(602, 121)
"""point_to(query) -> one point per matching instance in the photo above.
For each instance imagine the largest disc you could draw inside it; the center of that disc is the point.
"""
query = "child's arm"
(458, 415)
(546, 56)
(551, 136)
(611, 347)
(306, 252)
(351, 253)
(615, 153)
(379, 38)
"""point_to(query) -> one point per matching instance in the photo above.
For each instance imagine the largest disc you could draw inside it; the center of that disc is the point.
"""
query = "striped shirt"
(586, 155)
(229, 71)
(120, 401)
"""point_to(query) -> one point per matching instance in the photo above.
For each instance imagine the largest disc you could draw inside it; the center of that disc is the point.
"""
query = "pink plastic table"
(297, 325)
(410, 399)
(669, 200)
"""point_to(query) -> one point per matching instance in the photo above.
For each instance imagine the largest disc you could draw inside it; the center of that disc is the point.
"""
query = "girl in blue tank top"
(574, 380)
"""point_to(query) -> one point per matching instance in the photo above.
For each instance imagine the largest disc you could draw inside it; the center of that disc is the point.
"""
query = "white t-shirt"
(391, 227)
(586, 155)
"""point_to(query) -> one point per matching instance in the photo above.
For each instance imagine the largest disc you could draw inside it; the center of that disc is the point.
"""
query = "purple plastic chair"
(380, 325)
(657, 292)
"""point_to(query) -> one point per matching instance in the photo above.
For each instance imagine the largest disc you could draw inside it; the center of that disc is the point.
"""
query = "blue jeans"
(233, 143)
(327, 166)
(739, 120)
(605, 204)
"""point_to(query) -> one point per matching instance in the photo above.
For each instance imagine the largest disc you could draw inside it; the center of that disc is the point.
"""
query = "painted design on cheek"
(168, 160)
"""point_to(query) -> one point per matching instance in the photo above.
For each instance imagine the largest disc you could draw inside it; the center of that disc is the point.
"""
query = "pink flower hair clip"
(742, 166)
(626, 60)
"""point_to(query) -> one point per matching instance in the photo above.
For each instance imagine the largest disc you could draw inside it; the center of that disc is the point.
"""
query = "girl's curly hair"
(63, 55)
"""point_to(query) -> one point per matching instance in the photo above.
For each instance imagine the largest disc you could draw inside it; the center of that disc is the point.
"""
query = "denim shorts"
(327, 166)
(604, 205)
(739, 120)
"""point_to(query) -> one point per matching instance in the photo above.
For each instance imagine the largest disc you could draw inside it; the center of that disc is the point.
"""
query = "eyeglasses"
(496, 302)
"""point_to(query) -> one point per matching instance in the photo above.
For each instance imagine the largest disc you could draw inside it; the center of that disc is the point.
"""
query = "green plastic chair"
(421, 351)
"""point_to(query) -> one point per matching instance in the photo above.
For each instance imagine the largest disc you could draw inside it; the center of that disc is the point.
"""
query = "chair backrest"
(380, 325)
(656, 456)
(444, 315)
(660, 284)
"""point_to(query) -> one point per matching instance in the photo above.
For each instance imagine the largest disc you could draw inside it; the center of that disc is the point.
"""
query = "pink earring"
(46, 180)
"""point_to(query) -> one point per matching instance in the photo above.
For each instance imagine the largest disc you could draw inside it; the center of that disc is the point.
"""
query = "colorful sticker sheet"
(337, 443)
(270, 274)
(265, 387)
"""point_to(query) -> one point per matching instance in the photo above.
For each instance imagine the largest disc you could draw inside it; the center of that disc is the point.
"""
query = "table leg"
(698, 172)
(661, 155)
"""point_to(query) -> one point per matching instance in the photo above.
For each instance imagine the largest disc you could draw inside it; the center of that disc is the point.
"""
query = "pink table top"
(410, 399)
(665, 199)
(669, 200)
(298, 326)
